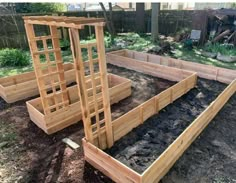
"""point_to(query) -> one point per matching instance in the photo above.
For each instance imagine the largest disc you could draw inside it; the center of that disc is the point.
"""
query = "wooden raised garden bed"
(22, 86)
(119, 88)
(137, 116)
(204, 71)
(118, 171)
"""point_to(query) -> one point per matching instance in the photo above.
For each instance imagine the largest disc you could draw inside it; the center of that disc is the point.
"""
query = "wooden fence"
(12, 31)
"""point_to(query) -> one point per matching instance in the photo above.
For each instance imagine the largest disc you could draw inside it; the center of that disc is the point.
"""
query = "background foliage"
(39, 7)
(14, 57)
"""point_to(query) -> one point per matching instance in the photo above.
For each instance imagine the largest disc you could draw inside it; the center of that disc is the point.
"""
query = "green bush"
(13, 57)
(64, 43)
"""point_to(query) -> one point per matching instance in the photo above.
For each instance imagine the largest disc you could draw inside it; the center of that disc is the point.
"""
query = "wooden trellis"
(91, 74)
(49, 72)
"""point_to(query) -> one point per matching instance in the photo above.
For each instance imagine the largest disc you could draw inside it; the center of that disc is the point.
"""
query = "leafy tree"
(39, 7)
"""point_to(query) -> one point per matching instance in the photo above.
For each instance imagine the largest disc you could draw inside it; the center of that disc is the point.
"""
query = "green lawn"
(195, 56)
(134, 42)
(9, 71)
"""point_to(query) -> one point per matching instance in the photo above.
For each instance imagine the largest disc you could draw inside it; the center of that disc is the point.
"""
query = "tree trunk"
(106, 18)
(155, 14)
(140, 18)
(111, 20)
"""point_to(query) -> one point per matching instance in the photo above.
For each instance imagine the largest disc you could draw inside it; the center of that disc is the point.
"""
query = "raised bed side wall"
(22, 86)
(109, 165)
(204, 71)
(161, 71)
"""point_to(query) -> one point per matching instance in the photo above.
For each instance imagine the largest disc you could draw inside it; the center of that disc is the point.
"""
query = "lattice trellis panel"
(92, 79)
(91, 75)
(49, 71)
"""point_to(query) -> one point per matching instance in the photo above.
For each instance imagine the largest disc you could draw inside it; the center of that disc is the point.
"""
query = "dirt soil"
(141, 90)
(27, 154)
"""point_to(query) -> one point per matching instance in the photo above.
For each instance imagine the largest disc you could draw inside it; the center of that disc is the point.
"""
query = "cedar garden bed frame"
(119, 88)
(121, 126)
(22, 86)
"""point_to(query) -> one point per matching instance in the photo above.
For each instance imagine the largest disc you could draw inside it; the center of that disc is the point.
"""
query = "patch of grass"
(134, 41)
(194, 55)
(10, 71)
(223, 49)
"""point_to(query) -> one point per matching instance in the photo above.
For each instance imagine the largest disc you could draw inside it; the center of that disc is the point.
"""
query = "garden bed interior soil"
(144, 144)
(143, 88)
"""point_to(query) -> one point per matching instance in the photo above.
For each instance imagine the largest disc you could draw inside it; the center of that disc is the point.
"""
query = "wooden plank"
(162, 165)
(16, 79)
(35, 115)
(148, 68)
(120, 52)
(140, 56)
(108, 165)
(27, 88)
(94, 85)
(79, 67)
(62, 21)
(36, 60)
(104, 81)
(71, 143)
(59, 65)
(126, 123)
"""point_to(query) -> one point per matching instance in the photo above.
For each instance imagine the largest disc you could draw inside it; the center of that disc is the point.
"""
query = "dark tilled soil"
(143, 88)
(144, 144)
(32, 156)
(29, 155)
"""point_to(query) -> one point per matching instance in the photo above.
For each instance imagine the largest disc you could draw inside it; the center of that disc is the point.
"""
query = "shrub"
(14, 57)
(64, 44)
